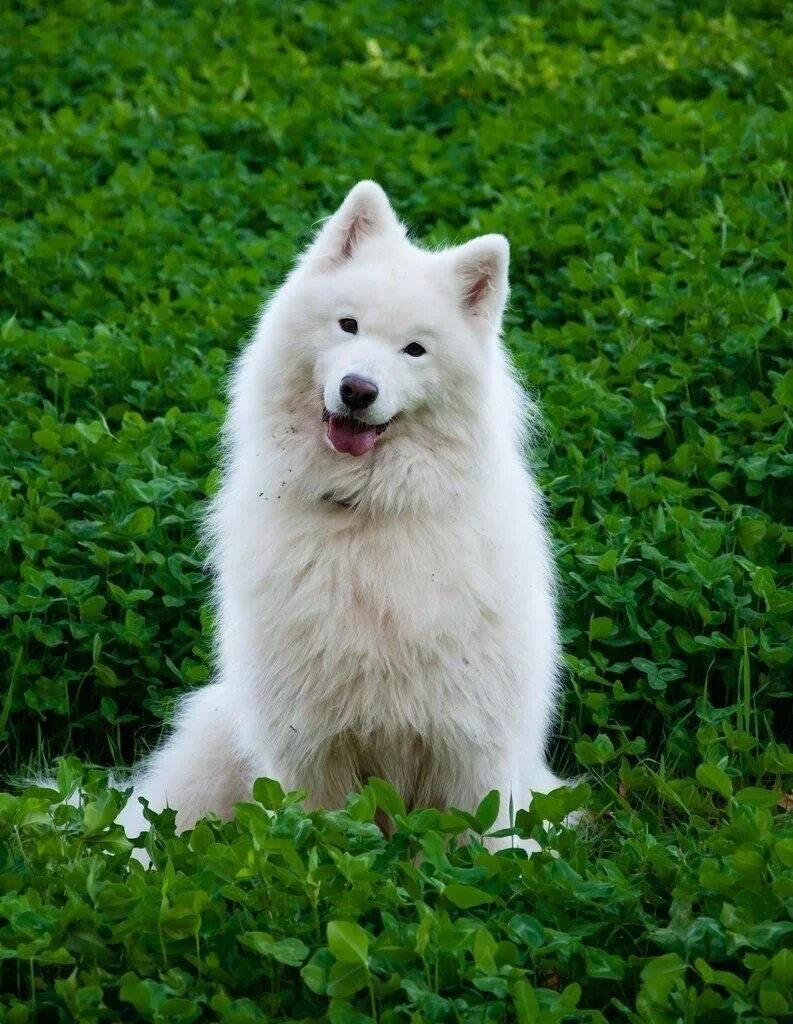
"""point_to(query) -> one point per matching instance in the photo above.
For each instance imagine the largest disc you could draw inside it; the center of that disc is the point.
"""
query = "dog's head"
(392, 331)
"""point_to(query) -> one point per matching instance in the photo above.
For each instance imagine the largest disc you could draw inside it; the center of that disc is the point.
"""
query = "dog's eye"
(414, 349)
(348, 325)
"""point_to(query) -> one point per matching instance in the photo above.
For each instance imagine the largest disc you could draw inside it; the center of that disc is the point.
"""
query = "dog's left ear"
(482, 268)
(365, 213)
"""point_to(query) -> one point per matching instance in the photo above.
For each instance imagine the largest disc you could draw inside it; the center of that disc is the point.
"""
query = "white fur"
(390, 614)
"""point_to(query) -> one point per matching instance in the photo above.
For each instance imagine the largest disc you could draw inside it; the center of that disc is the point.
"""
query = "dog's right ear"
(365, 213)
(481, 267)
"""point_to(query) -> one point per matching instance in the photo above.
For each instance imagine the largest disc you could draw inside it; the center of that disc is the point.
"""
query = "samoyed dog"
(384, 586)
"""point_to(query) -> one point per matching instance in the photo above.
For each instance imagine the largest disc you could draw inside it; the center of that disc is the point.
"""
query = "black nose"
(357, 392)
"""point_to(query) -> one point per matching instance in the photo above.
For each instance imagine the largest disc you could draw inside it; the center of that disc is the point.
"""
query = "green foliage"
(676, 910)
(160, 166)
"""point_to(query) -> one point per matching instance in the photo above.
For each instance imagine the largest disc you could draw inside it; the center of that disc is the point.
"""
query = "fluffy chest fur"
(352, 623)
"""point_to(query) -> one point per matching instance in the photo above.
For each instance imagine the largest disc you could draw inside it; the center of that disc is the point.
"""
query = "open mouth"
(351, 436)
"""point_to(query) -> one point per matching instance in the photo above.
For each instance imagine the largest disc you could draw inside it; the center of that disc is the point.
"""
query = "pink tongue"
(347, 437)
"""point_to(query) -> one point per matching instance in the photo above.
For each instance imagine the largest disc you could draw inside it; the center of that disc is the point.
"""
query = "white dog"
(384, 585)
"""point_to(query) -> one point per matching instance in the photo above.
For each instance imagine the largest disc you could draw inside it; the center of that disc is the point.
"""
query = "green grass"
(160, 165)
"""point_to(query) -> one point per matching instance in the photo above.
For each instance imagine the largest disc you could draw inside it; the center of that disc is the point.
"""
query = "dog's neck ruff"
(337, 501)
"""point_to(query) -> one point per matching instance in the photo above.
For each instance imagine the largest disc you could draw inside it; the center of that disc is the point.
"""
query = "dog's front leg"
(325, 768)
(472, 777)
